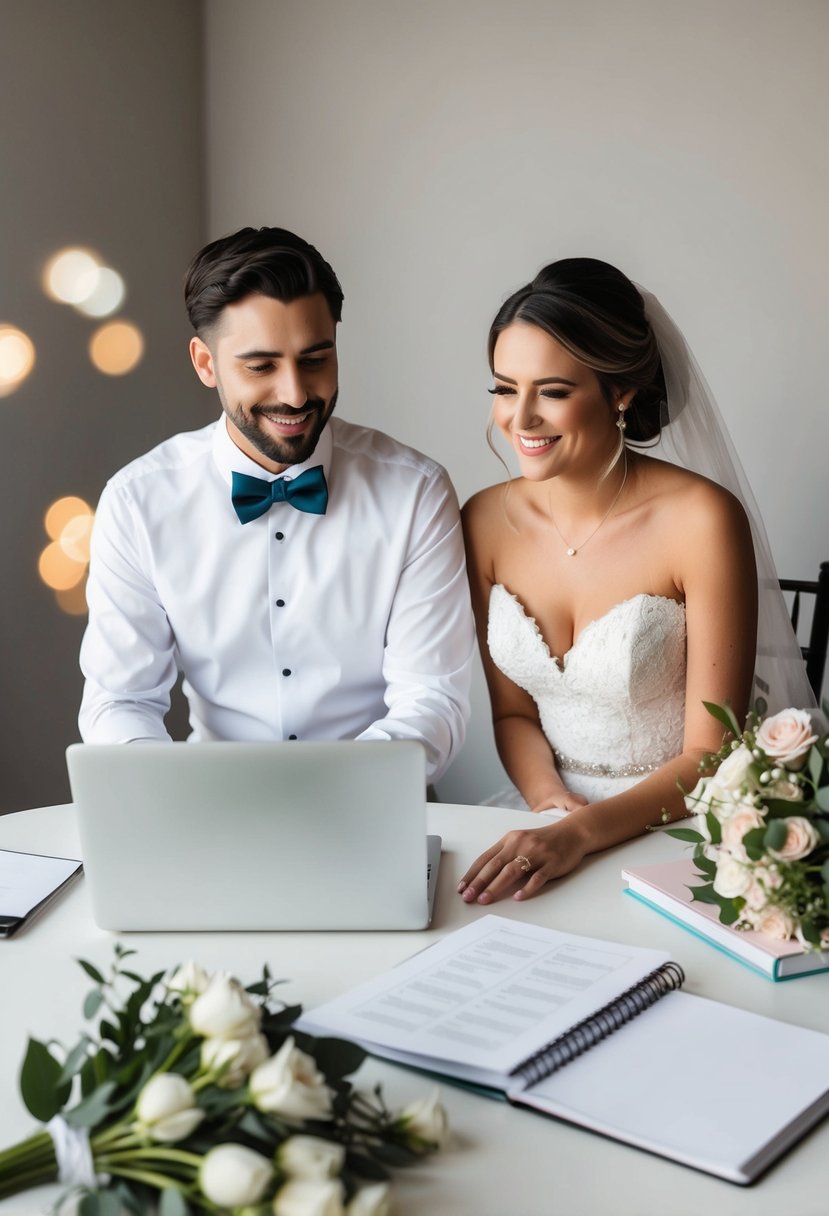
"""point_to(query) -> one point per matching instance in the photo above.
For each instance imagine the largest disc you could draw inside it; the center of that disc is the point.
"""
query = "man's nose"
(290, 387)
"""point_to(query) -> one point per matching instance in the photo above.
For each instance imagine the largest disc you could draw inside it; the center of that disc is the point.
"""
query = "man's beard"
(285, 449)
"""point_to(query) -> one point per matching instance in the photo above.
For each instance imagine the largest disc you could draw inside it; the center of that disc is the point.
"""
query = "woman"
(614, 592)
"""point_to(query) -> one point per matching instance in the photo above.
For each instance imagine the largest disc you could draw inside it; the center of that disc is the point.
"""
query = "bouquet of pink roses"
(763, 842)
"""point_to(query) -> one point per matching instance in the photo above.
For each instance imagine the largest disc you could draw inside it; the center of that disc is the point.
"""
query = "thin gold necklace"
(572, 550)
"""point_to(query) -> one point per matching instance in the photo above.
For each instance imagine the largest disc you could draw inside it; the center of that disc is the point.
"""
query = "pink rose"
(746, 817)
(773, 922)
(787, 737)
(801, 838)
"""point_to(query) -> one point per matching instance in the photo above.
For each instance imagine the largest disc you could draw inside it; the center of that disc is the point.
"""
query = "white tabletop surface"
(500, 1161)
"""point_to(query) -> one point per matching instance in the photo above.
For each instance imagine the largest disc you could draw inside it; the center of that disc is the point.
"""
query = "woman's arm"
(522, 746)
(714, 569)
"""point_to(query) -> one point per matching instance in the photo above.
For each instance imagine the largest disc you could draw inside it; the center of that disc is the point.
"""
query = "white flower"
(733, 773)
(166, 1109)
(310, 1157)
(309, 1197)
(234, 1059)
(786, 790)
(732, 878)
(787, 737)
(232, 1175)
(373, 1200)
(801, 838)
(745, 818)
(224, 1010)
(290, 1084)
(425, 1121)
(189, 981)
(771, 921)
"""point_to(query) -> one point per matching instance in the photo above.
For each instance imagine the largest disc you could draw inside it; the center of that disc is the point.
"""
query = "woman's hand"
(565, 801)
(503, 870)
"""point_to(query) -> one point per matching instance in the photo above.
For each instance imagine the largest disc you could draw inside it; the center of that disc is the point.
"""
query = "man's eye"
(313, 361)
(259, 367)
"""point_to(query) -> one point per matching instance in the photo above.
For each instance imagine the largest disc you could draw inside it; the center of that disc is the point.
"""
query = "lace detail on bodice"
(617, 697)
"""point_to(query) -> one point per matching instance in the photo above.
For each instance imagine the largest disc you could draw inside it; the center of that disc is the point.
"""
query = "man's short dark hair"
(256, 261)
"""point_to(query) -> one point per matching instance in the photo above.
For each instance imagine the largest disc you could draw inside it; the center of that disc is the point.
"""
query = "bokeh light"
(71, 275)
(17, 358)
(64, 563)
(107, 295)
(116, 348)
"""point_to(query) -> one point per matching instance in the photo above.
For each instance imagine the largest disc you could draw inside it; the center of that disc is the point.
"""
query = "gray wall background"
(101, 144)
(438, 153)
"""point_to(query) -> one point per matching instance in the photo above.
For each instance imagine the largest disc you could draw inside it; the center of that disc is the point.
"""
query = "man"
(306, 575)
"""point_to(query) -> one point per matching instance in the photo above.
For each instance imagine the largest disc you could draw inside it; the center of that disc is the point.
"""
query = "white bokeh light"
(71, 276)
(107, 295)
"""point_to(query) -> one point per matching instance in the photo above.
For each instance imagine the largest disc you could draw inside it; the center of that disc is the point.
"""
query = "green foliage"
(685, 834)
(775, 835)
(725, 715)
(40, 1082)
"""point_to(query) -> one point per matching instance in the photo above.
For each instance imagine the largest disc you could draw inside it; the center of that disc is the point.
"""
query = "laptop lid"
(253, 835)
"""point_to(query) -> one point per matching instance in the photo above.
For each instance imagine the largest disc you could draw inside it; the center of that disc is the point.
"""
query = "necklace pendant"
(571, 552)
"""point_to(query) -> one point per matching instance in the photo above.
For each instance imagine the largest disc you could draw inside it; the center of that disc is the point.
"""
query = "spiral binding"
(585, 1034)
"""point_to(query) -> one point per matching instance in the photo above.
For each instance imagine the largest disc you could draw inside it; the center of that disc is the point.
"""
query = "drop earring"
(620, 422)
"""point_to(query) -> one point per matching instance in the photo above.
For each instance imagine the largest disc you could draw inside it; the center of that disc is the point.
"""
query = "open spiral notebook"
(595, 1033)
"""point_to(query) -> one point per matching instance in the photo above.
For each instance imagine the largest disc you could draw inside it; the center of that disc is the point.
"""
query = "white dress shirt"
(352, 624)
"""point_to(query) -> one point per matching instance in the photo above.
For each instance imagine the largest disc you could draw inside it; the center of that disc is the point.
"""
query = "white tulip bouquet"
(195, 1095)
(762, 848)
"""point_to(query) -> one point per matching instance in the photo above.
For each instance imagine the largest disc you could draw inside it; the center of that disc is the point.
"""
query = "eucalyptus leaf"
(775, 834)
(92, 972)
(172, 1203)
(822, 828)
(810, 931)
(725, 715)
(94, 1108)
(93, 1002)
(89, 1204)
(822, 798)
(815, 765)
(754, 843)
(108, 1204)
(40, 1085)
(74, 1061)
(685, 834)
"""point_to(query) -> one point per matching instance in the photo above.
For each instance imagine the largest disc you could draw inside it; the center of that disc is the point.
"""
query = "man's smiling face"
(274, 366)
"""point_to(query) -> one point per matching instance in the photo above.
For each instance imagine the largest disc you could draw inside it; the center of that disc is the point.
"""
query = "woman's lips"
(537, 445)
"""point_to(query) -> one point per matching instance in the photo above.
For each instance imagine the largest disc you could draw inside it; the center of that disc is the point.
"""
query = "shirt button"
(280, 603)
(279, 535)
(291, 736)
(286, 671)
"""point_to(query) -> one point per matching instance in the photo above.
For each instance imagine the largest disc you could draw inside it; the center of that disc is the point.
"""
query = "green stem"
(30, 1163)
(149, 1177)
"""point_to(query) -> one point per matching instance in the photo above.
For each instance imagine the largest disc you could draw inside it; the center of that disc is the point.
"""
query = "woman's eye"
(500, 390)
(555, 394)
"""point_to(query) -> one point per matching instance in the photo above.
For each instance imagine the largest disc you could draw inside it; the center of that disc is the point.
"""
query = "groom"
(305, 575)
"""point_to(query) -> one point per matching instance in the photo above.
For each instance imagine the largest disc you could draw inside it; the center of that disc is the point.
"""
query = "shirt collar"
(229, 459)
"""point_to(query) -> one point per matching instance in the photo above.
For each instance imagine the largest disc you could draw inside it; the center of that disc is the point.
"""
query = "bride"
(614, 592)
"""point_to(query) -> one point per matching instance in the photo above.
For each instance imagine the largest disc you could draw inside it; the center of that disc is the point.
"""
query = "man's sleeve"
(128, 650)
(430, 640)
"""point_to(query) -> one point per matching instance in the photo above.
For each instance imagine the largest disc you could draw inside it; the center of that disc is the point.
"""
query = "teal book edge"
(738, 958)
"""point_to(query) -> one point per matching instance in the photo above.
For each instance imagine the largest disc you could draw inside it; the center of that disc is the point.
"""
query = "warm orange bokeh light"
(116, 348)
(62, 512)
(73, 601)
(58, 570)
(74, 539)
(17, 358)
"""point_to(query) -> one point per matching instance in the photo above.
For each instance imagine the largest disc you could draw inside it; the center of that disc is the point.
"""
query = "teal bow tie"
(253, 496)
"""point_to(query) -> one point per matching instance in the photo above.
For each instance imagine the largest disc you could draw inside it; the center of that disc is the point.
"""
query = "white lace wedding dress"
(613, 707)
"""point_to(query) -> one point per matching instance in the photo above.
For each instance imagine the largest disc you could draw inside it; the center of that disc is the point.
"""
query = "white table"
(500, 1161)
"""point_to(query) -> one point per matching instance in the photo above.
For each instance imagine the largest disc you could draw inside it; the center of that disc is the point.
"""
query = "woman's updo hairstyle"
(598, 316)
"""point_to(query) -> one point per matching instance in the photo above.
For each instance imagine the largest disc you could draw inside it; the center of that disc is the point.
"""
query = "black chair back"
(814, 652)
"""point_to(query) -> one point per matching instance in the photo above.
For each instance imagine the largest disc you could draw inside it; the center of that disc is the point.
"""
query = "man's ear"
(203, 362)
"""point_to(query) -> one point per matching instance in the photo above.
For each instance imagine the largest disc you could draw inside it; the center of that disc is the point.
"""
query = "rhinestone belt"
(568, 765)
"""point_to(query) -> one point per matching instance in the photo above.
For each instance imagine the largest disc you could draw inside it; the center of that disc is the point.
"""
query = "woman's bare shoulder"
(485, 507)
(688, 496)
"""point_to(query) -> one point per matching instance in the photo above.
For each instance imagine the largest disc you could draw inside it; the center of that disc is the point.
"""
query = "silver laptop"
(255, 835)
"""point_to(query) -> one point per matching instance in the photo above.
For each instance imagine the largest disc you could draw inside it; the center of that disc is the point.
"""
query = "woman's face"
(550, 407)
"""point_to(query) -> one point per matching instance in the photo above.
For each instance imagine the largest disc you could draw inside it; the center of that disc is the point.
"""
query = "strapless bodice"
(613, 707)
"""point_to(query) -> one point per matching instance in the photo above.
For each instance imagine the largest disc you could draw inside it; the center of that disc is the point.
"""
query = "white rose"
(773, 922)
(426, 1121)
(310, 1157)
(787, 737)
(290, 1084)
(309, 1197)
(374, 1200)
(232, 1175)
(787, 790)
(745, 818)
(224, 1010)
(732, 878)
(166, 1109)
(234, 1059)
(733, 772)
(801, 838)
(189, 981)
